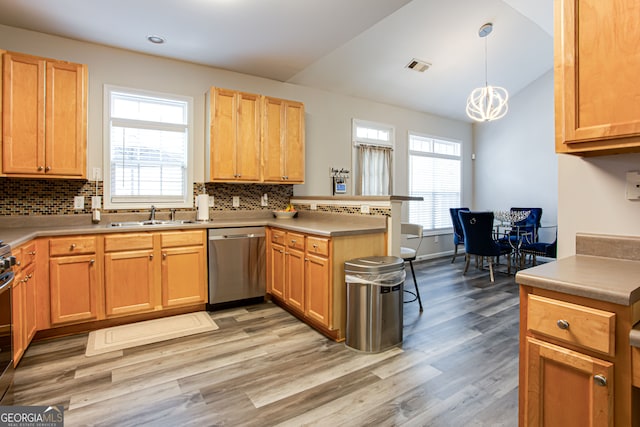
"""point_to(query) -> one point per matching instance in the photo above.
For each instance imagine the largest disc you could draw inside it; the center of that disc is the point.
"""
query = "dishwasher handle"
(235, 236)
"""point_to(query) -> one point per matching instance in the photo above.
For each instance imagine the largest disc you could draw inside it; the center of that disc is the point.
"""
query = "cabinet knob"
(31, 253)
(164, 255)
(47, 169)
(562, 324)
(73, 246)
(91, 261)
(40, 168)
(315, 246)
(150, 256)
(600, 380)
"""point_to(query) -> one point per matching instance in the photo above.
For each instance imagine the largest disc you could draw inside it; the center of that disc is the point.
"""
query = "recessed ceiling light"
(156, 39)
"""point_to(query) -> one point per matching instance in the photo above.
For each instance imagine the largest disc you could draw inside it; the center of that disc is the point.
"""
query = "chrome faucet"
(153, 213)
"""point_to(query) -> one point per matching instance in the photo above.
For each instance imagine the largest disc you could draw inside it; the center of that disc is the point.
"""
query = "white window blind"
(149, 145)
(434, 174)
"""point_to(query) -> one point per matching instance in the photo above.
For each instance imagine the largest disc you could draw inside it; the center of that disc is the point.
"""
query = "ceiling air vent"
(418, 65)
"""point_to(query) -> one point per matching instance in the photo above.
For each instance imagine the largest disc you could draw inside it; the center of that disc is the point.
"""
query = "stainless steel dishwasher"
(236, 266)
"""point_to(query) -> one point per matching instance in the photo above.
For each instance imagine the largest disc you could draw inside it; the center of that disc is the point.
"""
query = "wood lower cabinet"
(567, 388)
(597, 61)
(305, 274)
(44, 117)
(184, 268)
(75, 288)
(575, 361)
(129, 274)
(24, 299)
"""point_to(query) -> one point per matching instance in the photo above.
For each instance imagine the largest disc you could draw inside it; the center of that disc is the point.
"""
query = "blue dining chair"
(528, 226)
(458, 234)
(536, 249)
(478, 239)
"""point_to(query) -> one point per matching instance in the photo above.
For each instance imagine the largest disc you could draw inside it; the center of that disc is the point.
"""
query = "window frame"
(145, 202)
(459, 158)
(356, 141)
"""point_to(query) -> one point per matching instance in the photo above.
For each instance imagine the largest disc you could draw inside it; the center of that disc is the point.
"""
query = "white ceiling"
(353, 47)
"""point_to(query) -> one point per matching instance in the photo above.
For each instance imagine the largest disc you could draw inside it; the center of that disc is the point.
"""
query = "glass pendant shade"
(487, 103)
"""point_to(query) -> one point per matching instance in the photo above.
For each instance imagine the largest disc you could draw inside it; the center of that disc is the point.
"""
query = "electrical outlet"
(212, 202)
(364, 209)
(96, 202)
(236, 201)
(78, 202)
(264, 200)
(314, 206)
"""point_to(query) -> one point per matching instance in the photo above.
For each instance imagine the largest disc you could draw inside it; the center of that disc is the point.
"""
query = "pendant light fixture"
(487, 103)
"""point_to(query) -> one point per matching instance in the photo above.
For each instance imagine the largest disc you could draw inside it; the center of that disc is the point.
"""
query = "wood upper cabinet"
(129, 274)
(75, 289)
(283, 142)
(233, 135)
(44, 117)
(597, 63)
(184, 268)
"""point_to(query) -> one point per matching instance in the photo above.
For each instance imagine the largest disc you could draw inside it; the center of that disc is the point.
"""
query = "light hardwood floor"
(457, 366)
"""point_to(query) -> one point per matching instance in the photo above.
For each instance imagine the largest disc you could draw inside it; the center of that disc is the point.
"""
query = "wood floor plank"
(457, 366)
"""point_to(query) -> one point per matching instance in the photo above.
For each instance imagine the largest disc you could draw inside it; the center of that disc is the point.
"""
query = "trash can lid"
(374, 264)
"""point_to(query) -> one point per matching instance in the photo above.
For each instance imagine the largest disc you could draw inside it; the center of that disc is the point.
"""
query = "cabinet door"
(294, 142)
(597, 62)
(294, 283)
(23, 114)
(66, 119)
(129, 282)
(248, 138)
(566, 388)
(29, 309)
(276, 271)
(283, 141)
(17, 310)
(317, 289)
(183, 276)
(223, 125)
(74, 289)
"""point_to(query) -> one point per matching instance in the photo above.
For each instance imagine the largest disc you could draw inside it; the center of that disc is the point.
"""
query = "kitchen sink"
(151, 222)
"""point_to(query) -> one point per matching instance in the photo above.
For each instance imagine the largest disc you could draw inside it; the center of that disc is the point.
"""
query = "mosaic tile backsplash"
(55, 197)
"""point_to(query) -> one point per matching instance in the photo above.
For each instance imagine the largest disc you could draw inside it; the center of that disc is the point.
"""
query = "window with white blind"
(435, 169)
(373, 158)
(147, 149)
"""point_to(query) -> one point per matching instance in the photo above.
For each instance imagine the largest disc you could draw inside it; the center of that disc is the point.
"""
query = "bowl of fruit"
(288, 212)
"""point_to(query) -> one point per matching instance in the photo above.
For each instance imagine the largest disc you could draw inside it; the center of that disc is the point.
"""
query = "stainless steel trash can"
(374, 302)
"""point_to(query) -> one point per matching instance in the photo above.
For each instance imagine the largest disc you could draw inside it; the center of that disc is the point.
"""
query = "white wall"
(516, 164)
(328, 116)
(592, 198)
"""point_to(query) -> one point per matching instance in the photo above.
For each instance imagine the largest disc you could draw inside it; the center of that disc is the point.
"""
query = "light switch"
(633, 185)
(96, 202)
(236, 201)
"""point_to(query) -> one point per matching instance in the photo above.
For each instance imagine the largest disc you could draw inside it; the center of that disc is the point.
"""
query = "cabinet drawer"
(72, 246)
(295, 241)
(128, 242)
(25, 255)
(182, 238)
(278, 236)
(576, 324)
(318, 246)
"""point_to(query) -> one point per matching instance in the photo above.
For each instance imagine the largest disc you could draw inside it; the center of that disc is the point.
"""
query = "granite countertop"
(16, 231)
(596, 277)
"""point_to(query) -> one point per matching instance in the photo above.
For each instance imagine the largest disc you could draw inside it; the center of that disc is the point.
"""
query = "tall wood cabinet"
(597, 63)
(24, 300)
(283, 141)
(233, 135)
(44, 117)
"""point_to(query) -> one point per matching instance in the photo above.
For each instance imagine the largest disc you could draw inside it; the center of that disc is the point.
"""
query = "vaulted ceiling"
(354, 47)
